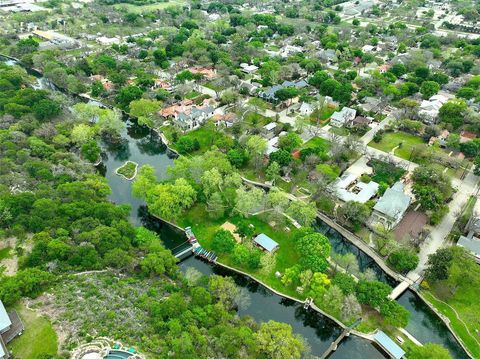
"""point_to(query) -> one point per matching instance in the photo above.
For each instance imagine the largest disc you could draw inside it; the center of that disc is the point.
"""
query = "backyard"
(204, 229)
(404, 141)
(39, 337)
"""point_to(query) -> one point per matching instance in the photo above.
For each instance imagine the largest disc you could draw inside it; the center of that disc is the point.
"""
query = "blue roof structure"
(266, 242)
(389, 345)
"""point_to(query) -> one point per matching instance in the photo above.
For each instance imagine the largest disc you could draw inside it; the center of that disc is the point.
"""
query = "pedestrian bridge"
(399, 289)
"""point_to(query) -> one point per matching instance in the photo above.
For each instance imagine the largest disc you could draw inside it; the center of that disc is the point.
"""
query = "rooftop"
(389, 345)
(5, 321)
(394, 201)
(266, 242)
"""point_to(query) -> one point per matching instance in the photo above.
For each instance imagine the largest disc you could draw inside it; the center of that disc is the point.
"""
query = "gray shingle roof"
(394, 201)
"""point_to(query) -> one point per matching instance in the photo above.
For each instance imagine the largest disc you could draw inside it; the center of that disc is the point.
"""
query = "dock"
(334, 345)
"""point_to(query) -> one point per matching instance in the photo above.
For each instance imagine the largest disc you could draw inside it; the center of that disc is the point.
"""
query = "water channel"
(143, 146)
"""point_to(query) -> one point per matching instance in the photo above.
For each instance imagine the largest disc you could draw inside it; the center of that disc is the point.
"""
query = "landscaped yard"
(38, 338)
(390, 140)
(317, 142)
(204, 229)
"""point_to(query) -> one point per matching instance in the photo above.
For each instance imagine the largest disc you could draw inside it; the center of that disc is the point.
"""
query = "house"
(384, 68)
(471, 244)
(208, 72)
(266, 243)
(466, 136)
(305, 109)
(341, 118)
(430, 108)
(269, 95)
(371, 104)
(268, 130)
(361, 121)
(162, 84)
(369, 48)
(441, 139)
(391, 207)
(248, 69)
(348, 188)
(224, 120)
(328, 55)
(10, 327)
(193, 119)
(289, 50)
(108, 41)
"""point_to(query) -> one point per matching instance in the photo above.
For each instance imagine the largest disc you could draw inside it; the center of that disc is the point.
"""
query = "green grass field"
(391, 140)
(466, 304)
(317, 142)
(38, 338)
(149, 7)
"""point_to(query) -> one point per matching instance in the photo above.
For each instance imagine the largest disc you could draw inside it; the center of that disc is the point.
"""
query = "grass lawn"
(341, 131)
(191, 95)
(211, 85)
(5, 253)
(149, 7)
(324, 114)
(317, 142)
(38, 338)
(390, 140)
(255, 119)
(466, 304)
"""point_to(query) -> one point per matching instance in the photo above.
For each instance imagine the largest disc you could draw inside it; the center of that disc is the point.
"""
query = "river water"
(143, 146)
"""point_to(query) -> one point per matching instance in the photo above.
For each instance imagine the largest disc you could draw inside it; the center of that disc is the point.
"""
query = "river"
(143, 146)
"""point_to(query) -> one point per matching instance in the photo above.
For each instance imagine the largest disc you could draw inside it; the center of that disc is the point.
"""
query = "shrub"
(223, 241)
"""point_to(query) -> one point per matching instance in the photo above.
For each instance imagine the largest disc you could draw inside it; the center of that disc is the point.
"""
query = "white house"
(430, 108)
(341, 118)
(248, 69)
(305, 109)
(347, 188)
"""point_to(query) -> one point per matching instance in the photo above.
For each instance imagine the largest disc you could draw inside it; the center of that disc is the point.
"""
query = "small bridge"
(398, 290)
(183, 252)
(345, 333)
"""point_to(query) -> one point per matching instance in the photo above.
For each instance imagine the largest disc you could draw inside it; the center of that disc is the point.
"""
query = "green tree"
(145, 110)
(453, 112)
(273, 172)
(290, 141)
(303, 212)
(127, 95)
(429, 88)
(223, 241)
(277, 340)
(90, 151)
(46, 109)
(373, 293)
(314, 249)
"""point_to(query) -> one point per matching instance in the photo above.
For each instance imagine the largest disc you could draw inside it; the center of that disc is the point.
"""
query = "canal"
(143, 146)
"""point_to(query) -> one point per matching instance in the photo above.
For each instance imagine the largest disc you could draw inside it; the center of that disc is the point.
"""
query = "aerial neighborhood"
(239, 179)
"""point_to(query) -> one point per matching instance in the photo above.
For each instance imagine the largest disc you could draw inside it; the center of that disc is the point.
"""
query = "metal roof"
(394, 202)
(5, 322)
(389, 345)
(266, 242)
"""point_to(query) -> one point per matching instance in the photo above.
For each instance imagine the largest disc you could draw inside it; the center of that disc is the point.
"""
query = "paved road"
(436, 240)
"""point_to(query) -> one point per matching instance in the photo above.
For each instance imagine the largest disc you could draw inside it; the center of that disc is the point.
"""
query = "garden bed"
(128, 170)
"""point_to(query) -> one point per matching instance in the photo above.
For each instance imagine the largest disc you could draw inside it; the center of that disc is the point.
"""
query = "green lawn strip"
(255, 119)
(457, 325)
(5, 253)
(38, 338)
